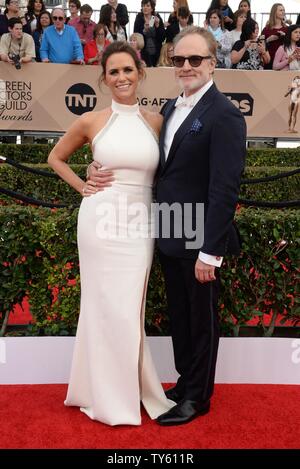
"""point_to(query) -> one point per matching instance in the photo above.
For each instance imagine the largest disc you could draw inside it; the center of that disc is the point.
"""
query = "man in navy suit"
(202, 154)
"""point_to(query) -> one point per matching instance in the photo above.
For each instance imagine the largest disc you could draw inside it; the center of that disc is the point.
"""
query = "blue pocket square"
(196, 127)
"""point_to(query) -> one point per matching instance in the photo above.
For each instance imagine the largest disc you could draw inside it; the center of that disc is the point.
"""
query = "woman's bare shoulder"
(153, 118)
(95, 116)
(94, 121)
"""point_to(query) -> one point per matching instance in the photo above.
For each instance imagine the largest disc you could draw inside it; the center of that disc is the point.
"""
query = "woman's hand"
(273, 37)
(226, 19)
(293, 56)
(97, 58)
(261, 47)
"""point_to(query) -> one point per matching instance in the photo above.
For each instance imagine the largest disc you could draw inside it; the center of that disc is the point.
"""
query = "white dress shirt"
(183, 107)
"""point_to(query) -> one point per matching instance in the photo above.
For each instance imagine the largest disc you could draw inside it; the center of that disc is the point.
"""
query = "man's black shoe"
(174, 395)
(185, 411)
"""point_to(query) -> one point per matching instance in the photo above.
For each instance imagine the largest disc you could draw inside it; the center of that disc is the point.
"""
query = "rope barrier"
(261, 204)
(28, 169)
(271, 178)
(248, 203)
(32, 201)
(44, 173)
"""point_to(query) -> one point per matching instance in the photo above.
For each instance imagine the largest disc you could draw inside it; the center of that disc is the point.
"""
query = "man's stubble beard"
(193, 86)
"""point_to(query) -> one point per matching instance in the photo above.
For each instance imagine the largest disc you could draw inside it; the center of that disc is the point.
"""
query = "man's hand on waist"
(102, 177)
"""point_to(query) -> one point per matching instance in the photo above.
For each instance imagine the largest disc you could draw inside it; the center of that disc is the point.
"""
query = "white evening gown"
(112, 370)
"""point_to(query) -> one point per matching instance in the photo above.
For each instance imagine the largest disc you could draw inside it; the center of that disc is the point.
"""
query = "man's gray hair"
(207, 36)
(60, 9)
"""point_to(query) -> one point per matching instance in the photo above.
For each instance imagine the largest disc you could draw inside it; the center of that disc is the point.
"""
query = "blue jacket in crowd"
(61, 48)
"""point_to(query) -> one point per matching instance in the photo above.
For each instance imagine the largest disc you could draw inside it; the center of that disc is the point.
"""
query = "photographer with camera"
(16, 47)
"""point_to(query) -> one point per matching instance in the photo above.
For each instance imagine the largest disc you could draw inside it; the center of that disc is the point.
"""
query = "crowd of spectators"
(34, 33)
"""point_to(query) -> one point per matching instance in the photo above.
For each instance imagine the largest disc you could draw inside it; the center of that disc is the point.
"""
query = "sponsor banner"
(49, 97)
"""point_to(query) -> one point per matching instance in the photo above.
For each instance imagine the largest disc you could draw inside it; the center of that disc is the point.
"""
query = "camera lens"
(16, 59)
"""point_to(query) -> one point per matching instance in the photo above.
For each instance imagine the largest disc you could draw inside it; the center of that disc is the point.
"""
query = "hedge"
(38, 153)
(273, 157)
(38, 248)
(38, 252)
(56, 190)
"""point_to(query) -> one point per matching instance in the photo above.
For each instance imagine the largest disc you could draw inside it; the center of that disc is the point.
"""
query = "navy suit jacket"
(204, 165)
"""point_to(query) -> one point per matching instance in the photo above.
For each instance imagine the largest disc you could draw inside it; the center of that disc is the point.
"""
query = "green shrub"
(39, 187)
(38, 248)
(287, 188)
(265, 278)
(38, 153)
(38, 252)
(273, 157)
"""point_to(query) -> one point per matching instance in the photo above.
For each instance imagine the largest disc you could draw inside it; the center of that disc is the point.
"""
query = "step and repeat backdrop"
(49, 97)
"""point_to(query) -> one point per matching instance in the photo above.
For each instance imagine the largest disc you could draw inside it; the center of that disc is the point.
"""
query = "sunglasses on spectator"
(58, 18)
(194, 60)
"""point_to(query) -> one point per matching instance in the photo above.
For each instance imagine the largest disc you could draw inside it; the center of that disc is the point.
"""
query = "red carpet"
(242, 416)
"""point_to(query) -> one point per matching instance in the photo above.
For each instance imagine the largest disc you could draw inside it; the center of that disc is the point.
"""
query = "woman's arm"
(280, 60)
(160, 31)
(76, 136)
(139, 23)
(236, 55)
(266, 58)
(264, 54)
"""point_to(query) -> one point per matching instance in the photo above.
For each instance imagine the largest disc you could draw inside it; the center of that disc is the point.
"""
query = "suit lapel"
(196, 113)
(169, 109)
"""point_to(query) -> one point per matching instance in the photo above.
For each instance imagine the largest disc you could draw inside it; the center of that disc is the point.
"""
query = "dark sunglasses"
(194, 60)
(57, 18)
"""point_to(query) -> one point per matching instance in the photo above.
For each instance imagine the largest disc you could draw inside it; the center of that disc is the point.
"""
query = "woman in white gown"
(112, 370)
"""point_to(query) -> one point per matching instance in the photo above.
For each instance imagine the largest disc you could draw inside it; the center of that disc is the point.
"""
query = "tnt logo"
(80, 98)
(243, 101)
